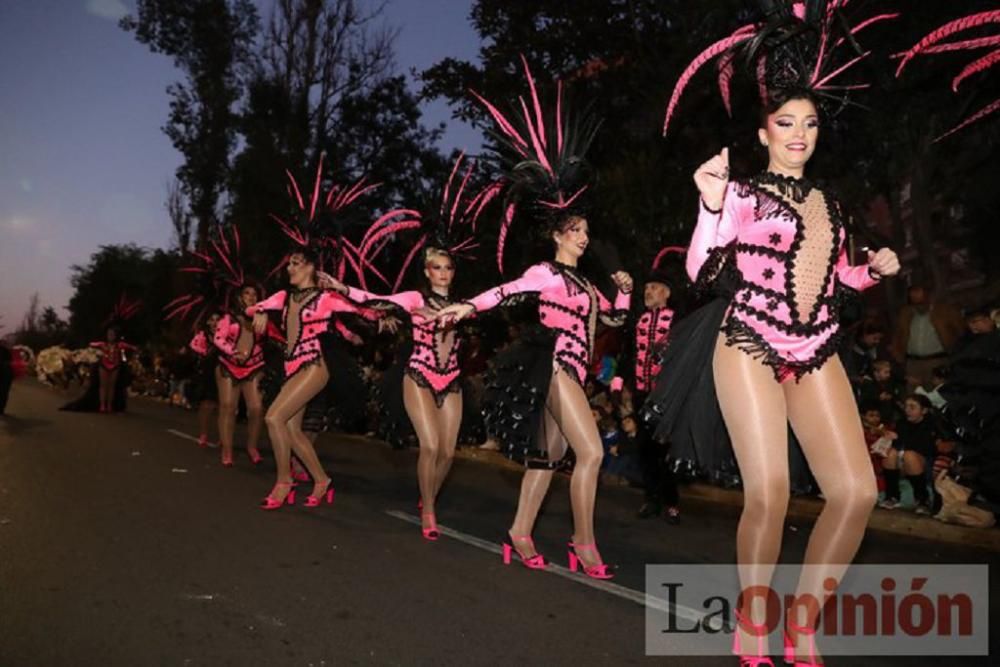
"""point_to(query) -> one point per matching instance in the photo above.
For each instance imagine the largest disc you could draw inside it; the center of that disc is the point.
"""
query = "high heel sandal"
(430, 533)
(272, 503)
(746, 660)
(536, 562)
(203, 440)
(254, 454)
(790, 646)
(316, 501)
(227, 459)
(300, 475)
(600, 571)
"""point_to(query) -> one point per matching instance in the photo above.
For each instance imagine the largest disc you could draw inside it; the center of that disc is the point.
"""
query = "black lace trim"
(317, 359)
(712, 268)
(254, 373)
(796, 188)
(739, 335)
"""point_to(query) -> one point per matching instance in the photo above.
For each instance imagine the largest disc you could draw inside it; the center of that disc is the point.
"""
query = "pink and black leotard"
(316, 316)
(776, 258)
(569, 307)
(112, 354)
(433, 361)
(789, 246)
(235, 333)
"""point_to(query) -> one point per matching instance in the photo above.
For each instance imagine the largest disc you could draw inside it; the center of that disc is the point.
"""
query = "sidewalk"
(899, 522)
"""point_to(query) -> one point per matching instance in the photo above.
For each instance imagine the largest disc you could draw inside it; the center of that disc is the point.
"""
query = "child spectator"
(910, 453)
(878, 437)
(938, 377)
(884, 389)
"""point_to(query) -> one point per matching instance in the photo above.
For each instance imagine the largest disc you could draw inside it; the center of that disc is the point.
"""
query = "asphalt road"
(122, 543)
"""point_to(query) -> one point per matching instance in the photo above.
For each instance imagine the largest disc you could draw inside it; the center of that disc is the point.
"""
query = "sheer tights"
(284, 426)
(205, 410)
(567, 422)
(106, 389)
(437, 431)
(824, 416)
(229, 398)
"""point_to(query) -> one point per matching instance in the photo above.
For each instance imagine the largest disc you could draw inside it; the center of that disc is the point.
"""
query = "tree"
(210, 42)
(40, 328)
(180, 216)
(113, 270)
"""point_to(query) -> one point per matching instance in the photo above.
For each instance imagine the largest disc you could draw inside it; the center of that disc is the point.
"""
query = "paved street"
(123, 543)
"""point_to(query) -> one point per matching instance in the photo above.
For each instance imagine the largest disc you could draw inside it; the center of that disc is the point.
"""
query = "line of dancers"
(768, 254)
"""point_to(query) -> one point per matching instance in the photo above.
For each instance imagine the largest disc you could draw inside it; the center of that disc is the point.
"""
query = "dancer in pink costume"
(536, 406)
(114, 352)
(779, 244)
(308, 316)
(426, 387)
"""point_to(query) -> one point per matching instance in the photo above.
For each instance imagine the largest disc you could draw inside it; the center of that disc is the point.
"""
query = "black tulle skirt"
(515, 396)
(90, 401)
(203, 386)
(343, 400)
(683, 408)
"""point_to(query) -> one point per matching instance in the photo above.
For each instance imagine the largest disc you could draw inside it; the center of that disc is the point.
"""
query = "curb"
(896, 522)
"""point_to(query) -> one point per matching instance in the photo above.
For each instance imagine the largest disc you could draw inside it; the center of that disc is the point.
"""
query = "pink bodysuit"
(790, 252)
(230, 336)
(651, 334)
(433, 363)
(318, 308)
(568, 305)
(112, 354)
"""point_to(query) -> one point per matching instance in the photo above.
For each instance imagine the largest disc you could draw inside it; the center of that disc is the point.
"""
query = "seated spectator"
(861, 351)
(911, 450)
(878, 437)
(938, 377)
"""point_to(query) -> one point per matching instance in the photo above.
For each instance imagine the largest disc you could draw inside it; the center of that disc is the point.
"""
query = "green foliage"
(139, 273)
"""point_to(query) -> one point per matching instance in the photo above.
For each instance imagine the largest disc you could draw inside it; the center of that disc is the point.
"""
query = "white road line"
(623, 592)
(187, 436)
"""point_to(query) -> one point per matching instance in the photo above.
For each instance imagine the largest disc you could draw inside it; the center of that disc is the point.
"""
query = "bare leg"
(284, 422)
(228, 402)
(104, 389)
(753, 407)
(824, 416)
(255, 413)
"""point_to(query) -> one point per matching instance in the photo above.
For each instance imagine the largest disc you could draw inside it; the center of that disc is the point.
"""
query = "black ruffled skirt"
(202, 386)
(683, 408)
(343, 400)
(515, 396)
(91, 399)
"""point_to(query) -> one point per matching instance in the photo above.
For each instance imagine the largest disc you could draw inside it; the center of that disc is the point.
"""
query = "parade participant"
(203, 390)
(652, 331)
(313, 361)
(780, 242)
(536, 405)
(424, 389)
(110, 376)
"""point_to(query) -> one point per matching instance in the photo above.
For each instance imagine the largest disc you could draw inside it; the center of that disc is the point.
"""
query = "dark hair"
(924, 402)
(869, 406)
(973, 313)
(778, 97)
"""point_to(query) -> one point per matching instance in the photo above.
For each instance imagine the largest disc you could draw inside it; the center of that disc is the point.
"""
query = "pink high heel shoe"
(601, 571)
(272, 503)
(431, 532)
(536, 562)
(227, 459)
(790, 646)
(313, 500)
(746, 660)
(203, 440)
(254, 454)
